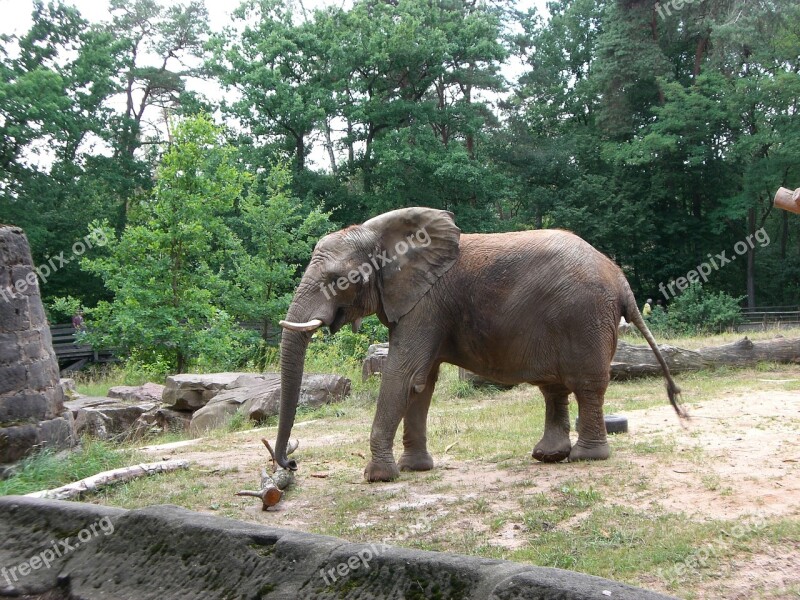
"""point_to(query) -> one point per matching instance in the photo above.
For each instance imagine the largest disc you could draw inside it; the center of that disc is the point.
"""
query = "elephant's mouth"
(339, 319)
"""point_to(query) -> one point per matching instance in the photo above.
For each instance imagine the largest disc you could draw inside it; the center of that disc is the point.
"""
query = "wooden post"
(788, 200)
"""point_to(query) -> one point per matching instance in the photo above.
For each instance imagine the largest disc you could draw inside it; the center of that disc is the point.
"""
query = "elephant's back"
(546, 295)
(558, 250)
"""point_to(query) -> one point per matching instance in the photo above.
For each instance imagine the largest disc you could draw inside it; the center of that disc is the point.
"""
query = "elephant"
(539, 307)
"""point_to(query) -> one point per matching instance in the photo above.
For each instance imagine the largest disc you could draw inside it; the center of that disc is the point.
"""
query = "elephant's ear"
(415, 246)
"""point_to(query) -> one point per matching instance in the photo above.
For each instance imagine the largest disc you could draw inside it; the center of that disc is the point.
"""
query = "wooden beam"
(788, 200)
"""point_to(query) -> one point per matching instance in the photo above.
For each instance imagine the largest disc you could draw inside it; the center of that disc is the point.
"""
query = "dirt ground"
(738, 460)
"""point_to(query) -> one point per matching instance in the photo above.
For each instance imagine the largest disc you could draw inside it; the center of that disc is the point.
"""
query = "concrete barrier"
(71, 550)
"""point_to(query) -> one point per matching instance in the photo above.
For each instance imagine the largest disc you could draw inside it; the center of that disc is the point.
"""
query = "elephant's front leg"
(392, 403)
(555, 445)
(415, 426)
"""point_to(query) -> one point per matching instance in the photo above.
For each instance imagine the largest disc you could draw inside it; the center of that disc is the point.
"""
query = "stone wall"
(165, 552)
(31, 400)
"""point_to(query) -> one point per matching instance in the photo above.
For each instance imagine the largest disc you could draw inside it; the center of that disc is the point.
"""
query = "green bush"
(700, 311)
(346, 348)
(695, 312)
(62, 309)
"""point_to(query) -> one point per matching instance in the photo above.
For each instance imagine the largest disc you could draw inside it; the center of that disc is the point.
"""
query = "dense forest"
(658, 132)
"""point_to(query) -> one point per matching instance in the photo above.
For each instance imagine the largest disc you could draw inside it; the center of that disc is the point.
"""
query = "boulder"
(149, 392)
(16, 441)
(106, 418)
(193, 391)
(166, 552)
(93, 423)
(161, 420)
(259, 397)
(377, 355)
(68, 387)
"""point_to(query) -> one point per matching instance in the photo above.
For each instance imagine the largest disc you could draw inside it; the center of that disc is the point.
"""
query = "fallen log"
(91, 484)
(631, 361)
(271, 489)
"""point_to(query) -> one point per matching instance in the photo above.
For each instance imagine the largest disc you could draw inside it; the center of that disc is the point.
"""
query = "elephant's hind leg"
(415, 455)
(592, 443)
(554, 445)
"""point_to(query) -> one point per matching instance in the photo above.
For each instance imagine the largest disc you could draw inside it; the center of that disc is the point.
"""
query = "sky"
(16, 13)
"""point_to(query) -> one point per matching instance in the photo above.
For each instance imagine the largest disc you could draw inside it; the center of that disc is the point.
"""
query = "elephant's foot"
(378, 471)
(590, 451)
(551, 449)
(415, 461)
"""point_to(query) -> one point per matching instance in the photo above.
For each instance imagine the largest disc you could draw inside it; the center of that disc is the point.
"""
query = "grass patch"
(48, 469)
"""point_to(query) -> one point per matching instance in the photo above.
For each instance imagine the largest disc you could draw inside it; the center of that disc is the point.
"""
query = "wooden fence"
(770, 317)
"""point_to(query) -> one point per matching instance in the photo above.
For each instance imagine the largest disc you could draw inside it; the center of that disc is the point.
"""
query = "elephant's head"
(384, 266)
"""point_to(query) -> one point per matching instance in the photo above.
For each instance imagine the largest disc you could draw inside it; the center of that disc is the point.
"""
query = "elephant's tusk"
(309, 326)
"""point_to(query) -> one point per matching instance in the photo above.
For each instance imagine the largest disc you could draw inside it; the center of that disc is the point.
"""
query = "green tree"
(165, 269)
(276, 240)
(56, 80)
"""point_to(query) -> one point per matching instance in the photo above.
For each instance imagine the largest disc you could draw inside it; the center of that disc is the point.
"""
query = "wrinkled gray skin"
(540, 307)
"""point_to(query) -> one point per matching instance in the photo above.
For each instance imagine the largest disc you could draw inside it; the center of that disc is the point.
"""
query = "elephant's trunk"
(293, 354)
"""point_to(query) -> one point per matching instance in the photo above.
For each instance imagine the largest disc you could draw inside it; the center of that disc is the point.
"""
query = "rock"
(192, 391)
(168, 552)
(377, 355)
(149, 392)
(259, 397)
(68, 387)
(93, 423)
(16, 441)
(161, 420)
(31, 399)
(106, 418)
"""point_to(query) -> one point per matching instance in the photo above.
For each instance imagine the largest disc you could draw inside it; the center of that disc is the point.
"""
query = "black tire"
(614, 424)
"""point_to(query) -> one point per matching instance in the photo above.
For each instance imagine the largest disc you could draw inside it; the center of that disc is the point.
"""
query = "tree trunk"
(329, 146)
(784, 233)
(751, 260)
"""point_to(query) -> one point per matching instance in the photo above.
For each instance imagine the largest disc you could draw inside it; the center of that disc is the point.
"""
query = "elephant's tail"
(632, 315)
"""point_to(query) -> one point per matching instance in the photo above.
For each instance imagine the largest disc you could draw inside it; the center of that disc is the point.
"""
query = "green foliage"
(698, 310)
(346, 348)
(658, 137)
(275, 238)
(238, 421)
(62, 309)
(165, 270)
